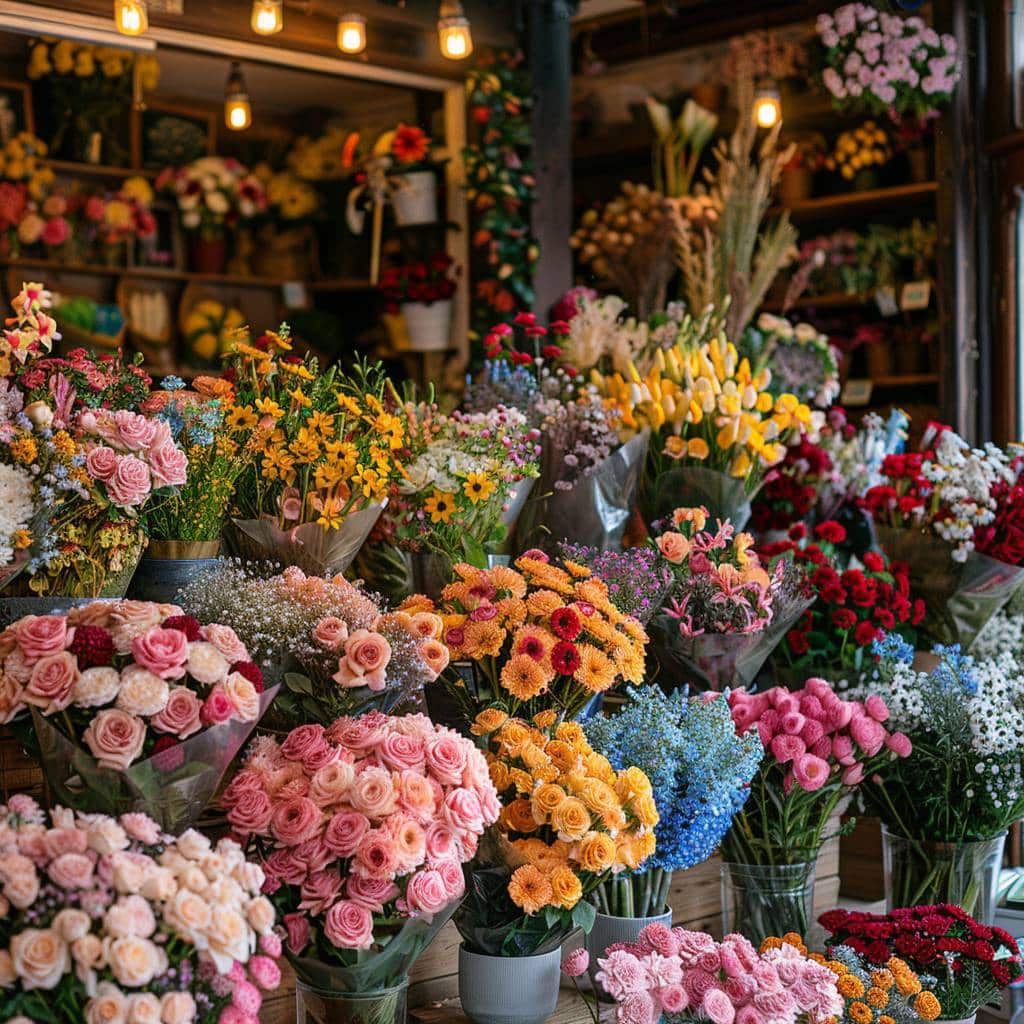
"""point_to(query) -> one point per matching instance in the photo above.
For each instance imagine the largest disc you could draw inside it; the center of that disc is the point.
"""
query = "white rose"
(260, 915)
(95, 687)
(128, 875)
(243, 696)
(40, 414)
(229, 938)
(134, 961)
(805, 333)
(250, 876)
(227, 892)
(72, 924)
(193, 845)
(88, 952)
(40, 958)
(160, 885)
(189, 914)
(108, 1006)
(142, 692)
(143, 1008)
(106, 836)
(213, 866)
(177, 1008)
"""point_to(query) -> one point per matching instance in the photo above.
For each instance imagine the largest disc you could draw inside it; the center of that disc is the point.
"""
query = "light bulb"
(237, 109)
(131, 17)
(767, 106)
(352, 33)
(267, 17)
(453, 31)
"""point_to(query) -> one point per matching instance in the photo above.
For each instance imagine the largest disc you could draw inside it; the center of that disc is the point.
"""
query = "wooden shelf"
(72, 167)
(853, 203)
(905, 380)
(828, 300)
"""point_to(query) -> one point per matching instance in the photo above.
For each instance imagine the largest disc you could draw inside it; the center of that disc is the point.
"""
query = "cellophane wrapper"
(959, 597)
(724, 496)
(596, 511)
(173, 787)
(715, 661)
(316, 550)
(377, 969)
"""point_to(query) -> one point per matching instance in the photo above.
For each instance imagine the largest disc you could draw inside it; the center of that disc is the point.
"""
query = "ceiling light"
(352, 33)
(131, 17)
(267, 17)
(453, 31)
(237, 109)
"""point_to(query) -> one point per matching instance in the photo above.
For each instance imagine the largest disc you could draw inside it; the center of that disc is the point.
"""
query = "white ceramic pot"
(608, 930)
(428, 325)
(415, 198)
(509, 989)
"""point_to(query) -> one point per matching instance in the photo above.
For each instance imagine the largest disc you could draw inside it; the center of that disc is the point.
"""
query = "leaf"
(298, 683)
(584, 915)
(474, 551)
(552, 916)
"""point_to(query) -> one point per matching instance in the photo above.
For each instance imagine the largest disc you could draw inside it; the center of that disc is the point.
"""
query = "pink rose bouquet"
(818, 750)
(134, 704)
(686, 974)
(111, 920)
(362, 829)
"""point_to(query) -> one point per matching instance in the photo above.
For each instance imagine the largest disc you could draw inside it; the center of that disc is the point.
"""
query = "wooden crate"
(860, 862)
(19, 773)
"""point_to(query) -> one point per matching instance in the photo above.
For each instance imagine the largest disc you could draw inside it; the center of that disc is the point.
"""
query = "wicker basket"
(77, 337)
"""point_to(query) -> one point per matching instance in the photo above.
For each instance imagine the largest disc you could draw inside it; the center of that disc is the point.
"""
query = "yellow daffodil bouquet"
(716, 426)
(568, 822)
(327, 455)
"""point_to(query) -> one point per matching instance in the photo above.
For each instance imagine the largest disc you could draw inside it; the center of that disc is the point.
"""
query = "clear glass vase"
(919, 871)
(759, 900)
(315, 1006)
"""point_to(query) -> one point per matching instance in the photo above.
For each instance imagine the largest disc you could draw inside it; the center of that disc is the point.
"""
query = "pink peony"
(717, 1007)
(810, 772)
(163, 651)
(576, 963)
(181, 715)
(40, 635)
(349, 926)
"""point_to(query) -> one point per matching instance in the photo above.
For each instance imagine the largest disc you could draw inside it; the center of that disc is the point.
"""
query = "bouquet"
(859, 150)
(726, 611)
(676, 974)
(424, 281)
(465, 479)
(133, 703)
(931, 511)
(568, 822)
(800, 358)
(885, 63)
(362, 830)
(538, 636)
(818, 750)
(335, 648)
(638, 579)
(109, 919)
(213, 194)
(700, 772)
(713, 416)
(852, 609)
(791, 489)
(969, 963)
(327, 459)
(963, 783)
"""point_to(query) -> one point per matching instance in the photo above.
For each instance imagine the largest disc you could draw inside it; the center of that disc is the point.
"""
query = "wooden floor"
(570, 1010)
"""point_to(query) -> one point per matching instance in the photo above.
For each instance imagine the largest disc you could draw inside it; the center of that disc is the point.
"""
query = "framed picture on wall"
(168, 134)
(15, 110)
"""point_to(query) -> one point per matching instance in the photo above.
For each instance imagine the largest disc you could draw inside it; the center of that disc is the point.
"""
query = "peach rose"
(130, 619)
(331, 783)
(108, 1006)
(18, 667)
(674, 546)
(243, 696)
(96, 687)
(225, 639)
(228, 934)
(40, 957)
(435, 656)
(71, 923)
(365, 661)
(142, 692)
(260, 915)
(372, 793)
(177, 1008)
(134, 961)
(115, 738)
(330, 633)
(180, 715)
(105, 835)
(427, 625)
(71, 871)
(130, 483)
(52, 682)
(189, 913)
(163, 651)
(143, 1008)
(12, 697)
(8, 978)
(206, 664)
(40, 635)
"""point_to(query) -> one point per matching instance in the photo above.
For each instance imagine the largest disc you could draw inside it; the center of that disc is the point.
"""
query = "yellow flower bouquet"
(716, 427)
(327, 457)
(568, 822)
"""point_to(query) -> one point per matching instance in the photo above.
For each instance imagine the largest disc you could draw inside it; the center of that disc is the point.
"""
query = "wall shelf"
(860, 203)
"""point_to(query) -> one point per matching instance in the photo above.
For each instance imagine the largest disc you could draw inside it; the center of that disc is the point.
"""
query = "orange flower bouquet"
(537, 636)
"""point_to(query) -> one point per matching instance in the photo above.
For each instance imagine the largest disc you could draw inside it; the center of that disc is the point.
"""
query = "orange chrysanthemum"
(877, 997)
(850, 986)
(541, 603)
(859, 1013)
(483, 639)
(566, 890)
(596, 671)
(505, 579)
(523, 677)
(529, 889)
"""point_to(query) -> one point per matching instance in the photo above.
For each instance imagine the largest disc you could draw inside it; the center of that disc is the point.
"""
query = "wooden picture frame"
(204, 119)
(23, 117)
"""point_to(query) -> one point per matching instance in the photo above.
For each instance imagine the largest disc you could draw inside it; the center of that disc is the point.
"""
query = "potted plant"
(412, 174)
(796, 182)
(859, 154)
(422, 292)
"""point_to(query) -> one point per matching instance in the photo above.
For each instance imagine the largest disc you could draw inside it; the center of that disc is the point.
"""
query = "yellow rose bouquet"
(327, 455)
(537, 636)
(569, 821)
(716, 426)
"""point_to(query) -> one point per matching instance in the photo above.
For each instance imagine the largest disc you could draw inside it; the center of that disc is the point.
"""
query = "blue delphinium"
(700, 771)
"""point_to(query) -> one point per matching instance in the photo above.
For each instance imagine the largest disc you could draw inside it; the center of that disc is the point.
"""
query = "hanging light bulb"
(267, 17)
(131, 17)
(352, 33)
(453, 31)
(237, 109)
(767, 105)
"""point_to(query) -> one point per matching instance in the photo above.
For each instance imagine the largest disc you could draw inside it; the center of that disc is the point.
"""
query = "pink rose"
(463, 811)
(284, 866)
(447, 757)
(673, 546)
(717, 1007)
(366, 658)
(251, 812)
(372, 793)
(330, 784)
(426, 893)
(673, 998)
(442, 842)
(319, 891)
(331, 633)
(217, 707)
(40, 635)
(344, 832)
(295, 820)
(65, 840)
(372, 893)
(71, 871)
(180, 716)
(134, 431)
(130, 482)
(303, 741)
(225, 639)
(376, 855)
(359, 734)
(349, 926)
(141, 827)
(52, 682)
(297, 929)
(115, 738)
(163, 651)
(400, 752)
(101, 462)
(169, 465)
(314, 854)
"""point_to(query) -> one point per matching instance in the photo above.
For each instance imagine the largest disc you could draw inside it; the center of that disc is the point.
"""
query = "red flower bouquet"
(431, 280)
(971, 962)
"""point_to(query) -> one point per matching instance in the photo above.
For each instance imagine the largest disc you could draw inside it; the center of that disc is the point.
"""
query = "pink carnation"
(717, 1007)
(576, 963)
(810, 772)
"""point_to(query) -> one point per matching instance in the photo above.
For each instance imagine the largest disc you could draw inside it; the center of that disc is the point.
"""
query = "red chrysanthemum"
(565, 624)
(185, 624)
(92, 646)
(251, 671)
(565, 659)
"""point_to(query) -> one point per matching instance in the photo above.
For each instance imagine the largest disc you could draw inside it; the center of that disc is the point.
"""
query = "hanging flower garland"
(500, 184)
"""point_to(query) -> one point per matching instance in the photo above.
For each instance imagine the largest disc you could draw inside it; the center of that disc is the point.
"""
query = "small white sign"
(856, 392)
(916, 295)
(885, 300)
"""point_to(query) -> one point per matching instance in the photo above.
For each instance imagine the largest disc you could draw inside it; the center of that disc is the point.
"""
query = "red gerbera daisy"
(410, 144)
(565, 659)
(565, 623)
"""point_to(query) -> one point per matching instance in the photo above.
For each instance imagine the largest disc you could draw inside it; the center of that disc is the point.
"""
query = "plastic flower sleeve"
(596, 511)
(173, 787)
(960, 597)
(724, 496)
(715, 661)
(377, 969)
(316, 550)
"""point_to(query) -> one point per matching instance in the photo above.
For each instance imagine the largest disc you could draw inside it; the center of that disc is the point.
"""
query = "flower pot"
(919, 162)
(957, 1020)
(168, 566)
(315, 1006)
(910, 357)
(509, 989)
(795, 185)
(865, 180)
(428, 325)
(415, 198)
(879, 359)
(920, 871)
(608, 930)
(207, 255)
(429, 573)
(759, 900)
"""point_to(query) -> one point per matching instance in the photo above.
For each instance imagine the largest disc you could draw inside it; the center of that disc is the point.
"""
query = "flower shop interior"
(511, 512)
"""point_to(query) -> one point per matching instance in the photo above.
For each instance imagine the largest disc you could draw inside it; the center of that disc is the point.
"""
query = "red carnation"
(865, 634)
(92, 646)
(798, 642)
(565, 659)
(873, 561)
(251, 671)
(185, 624)
(565, 623)
(844, 618)
(830, 531)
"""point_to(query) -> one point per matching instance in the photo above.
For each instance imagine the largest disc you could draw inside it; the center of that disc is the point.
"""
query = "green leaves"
(583, 915)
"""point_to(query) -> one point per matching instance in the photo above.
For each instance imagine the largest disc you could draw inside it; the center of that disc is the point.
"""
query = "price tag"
(295, 295)
(885, 300)
(916, 295)
(856, 392)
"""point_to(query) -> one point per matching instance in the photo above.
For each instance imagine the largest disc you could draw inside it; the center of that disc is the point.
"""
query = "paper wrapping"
(316, 550)
(377, 969)
(960, 597)
(595, 512)
(724, 496)
(173, 787)
(715, 661)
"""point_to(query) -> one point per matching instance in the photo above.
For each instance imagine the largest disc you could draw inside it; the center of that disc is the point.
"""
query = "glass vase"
(759, 900)
(315, 1006)
(919, 871)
